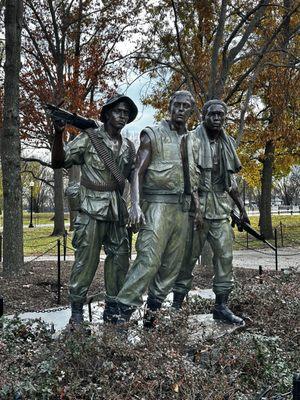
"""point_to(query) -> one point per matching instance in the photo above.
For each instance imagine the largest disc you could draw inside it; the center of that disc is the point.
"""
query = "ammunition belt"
(98, 187)
(107, 159)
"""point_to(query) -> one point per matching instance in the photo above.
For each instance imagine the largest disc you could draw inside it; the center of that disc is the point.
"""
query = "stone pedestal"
(203, 327)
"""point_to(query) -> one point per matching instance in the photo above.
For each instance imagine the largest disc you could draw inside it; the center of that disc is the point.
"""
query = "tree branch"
(182, 57)
(227, 61)
(212, 90)
(33, 159)
(261, 53)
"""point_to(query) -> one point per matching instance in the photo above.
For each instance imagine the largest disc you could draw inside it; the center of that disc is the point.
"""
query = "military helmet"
(118, 98)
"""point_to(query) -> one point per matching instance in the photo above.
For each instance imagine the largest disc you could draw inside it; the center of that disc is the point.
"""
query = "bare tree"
(288, 187)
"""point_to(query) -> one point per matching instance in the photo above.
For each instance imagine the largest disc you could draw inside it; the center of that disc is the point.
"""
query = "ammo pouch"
(186, 202)
(73, 194)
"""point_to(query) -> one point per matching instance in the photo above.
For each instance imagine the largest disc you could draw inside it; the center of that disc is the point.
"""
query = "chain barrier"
(249, 248)
(66, 237)
(289, 254)
(292, 241)
(43, 311)
(268, 254)
(40, 255)
(39, 245)
(69, 248)
(39, 237)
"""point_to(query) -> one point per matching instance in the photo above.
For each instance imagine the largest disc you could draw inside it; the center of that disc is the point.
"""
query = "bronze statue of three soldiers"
(182, 186)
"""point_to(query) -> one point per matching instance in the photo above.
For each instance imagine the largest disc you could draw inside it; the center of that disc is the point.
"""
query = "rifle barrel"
(248, 228)
(70, 118)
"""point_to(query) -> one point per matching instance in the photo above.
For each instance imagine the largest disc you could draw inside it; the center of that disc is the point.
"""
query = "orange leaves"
(72, 54)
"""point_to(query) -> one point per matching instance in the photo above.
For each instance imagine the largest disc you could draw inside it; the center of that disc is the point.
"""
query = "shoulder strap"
(185, 164)
(132, 151)
(108, 161)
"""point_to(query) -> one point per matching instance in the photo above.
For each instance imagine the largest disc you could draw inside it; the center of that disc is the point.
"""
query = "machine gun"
(244, 226)
(59, 114)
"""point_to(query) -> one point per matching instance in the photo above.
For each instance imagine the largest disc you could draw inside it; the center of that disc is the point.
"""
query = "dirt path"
(288, 257)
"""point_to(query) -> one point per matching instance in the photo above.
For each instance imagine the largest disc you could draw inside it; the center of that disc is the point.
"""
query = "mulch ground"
(257, 362)
(36, 287)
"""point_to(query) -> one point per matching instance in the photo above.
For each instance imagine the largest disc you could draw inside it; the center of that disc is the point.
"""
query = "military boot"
(152, 306)
(177, 300)
(121, 322)
(111, 311)
(223, 313)
(124, 313)
(77, 313)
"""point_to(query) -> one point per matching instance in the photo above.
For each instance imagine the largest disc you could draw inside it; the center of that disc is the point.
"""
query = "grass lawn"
(38, 240)
(288, 232)
(40, 218)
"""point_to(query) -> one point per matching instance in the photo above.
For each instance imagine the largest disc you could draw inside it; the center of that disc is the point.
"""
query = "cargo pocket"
(73, 194)
(161, 176)
(202, 202)
(80, 237)
(224, 203)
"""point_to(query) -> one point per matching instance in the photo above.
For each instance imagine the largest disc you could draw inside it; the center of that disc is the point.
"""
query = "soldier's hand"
(136, 217)
(244, 217)
(59, 126)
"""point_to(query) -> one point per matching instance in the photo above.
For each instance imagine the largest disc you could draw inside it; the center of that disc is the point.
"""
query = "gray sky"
(136, 91)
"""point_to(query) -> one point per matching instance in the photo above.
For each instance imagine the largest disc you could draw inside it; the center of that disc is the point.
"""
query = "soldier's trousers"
(219, 235)
(89, 235)
(160, 249)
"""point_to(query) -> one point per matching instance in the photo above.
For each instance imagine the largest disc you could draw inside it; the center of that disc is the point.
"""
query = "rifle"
(236, 220)
(59, 114)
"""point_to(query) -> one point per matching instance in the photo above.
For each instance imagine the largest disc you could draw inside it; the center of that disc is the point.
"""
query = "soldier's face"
(215, 117)
(180, 109)
(118, 116)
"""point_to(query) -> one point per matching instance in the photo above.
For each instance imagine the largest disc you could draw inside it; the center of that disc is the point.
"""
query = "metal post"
(58, 271)
(281, 233)
(1, 310)
(296, 386)
(276, 249)
(1, 240)
(260, 271)
(31, 205)
(90, 309)
(1, 306)
(65, 244)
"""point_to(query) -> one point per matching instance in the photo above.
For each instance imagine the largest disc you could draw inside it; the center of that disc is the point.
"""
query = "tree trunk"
(11, 147)
(59, 223)
(74, 176)
(266, 188)
(74, 172)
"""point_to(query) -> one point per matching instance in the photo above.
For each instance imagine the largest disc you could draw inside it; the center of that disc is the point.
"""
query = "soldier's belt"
(180, 198)
(214, 189)
(98, 187)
